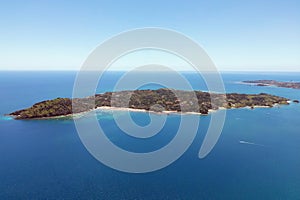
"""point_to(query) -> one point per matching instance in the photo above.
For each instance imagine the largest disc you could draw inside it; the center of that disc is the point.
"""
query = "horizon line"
(74, 70)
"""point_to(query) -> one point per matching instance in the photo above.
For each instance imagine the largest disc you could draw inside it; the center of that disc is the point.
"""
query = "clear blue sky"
(238, 35)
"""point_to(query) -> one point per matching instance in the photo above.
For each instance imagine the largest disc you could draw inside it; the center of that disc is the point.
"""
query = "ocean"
(45, 159)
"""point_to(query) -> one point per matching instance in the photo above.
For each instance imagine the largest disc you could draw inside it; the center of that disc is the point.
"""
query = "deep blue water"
(45, 159)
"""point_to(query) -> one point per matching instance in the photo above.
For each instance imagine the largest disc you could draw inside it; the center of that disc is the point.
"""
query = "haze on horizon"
(237, 35)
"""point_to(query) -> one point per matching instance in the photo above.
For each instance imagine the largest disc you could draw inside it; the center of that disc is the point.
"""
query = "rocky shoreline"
(293, 85)
(158, 101)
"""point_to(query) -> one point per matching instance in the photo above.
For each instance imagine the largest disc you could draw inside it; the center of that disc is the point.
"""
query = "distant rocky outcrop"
(154, 100)
(294, 85)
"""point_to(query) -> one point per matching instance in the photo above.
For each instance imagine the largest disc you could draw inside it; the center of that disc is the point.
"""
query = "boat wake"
(251, 143)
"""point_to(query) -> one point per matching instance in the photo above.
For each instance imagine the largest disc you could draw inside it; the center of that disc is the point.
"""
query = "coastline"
(111, 109)
(121, 109)
(141, 101)
(272, 83)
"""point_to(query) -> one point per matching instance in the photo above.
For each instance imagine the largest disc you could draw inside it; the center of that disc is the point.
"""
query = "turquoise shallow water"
(46, 159)
(6, 118)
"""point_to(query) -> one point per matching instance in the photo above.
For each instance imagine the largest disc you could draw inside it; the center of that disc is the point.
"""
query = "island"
(293, 85)
(159, 101)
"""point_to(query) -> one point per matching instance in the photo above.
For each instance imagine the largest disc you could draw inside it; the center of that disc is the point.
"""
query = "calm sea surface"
(45, 159)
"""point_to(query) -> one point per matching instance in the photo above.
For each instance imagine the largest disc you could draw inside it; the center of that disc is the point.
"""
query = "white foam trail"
(251, 143)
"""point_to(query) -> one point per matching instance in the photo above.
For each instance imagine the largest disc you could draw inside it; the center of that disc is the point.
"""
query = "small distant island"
(161, 100)
(293, 85)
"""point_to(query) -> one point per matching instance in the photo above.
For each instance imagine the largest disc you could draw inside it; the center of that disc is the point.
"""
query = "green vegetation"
(49, 108)
(154, 100)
